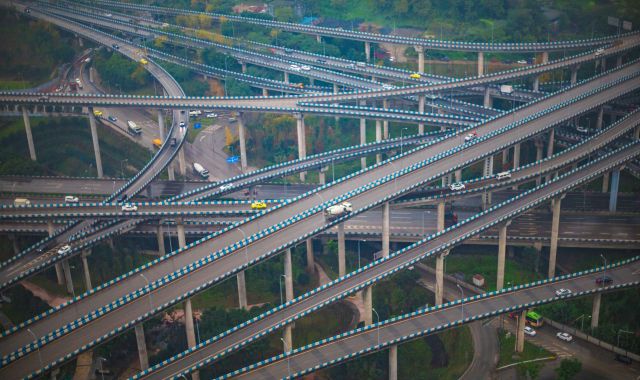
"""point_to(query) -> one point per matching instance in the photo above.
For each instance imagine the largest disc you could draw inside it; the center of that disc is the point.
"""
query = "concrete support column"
(367, 50)
(605, 182)
(191, 334)
(310, 259)
(520, 332)
(363, 140)
(487, 102)
(302, 150)
(58, 265)
(27, 129)
(286, 77)
(378, 138)
(603, 64)
(421, 101)
(636, 133)
(244, 67)
(160, 236)
(342, 261)
(505, 157)
(555, 226)
(600, 118)
(242, 290)
(96, 142)
(574, 75)
(288, 285)
(319, 39)
(539, 151)
(171, 173)
(67, 276)
(182, 240)
(367, 298)
(595, 311)
(439, 296)
(440, 222)
(14, 243)
(385, 229)
(393, 362)
(265, 92)
(336, 88)
(142, 347)
(385, 123)
(613, 194)
(243, 144)
(516, 156)
(480, 63)
(551, 142)
(502, 250)
(420, 51)
(536, 82)
(161, 124)
(85, 268)
(488, 171)
(322, 177)
(458, 175)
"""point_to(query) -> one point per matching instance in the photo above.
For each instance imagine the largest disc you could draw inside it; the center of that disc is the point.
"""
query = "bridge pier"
(393, 362)
(27, 129)
(613, 194)
(342, 261)
(385, 123)
(595, 310)
(85, 269)
(318, 38)
(600, 118)
(522, 318)
(385, 229)
(603, 64)
(458, 175)
(550, 145)
(539, 146)
(244, 67)
(367, 298)
(636, 133)
(502, 250)
(288, 286)
(67, 276)
(420, 51)
(505, 157)
(421, 101)
(302, 149)
(191, 334)
(14, 243)
(161, 125)
(243, 144)
(182, 163)
(605, 182)
(96, 142)
(265, 92)
(160, 236)
(480, 63)
(286, 77)
(555, 226)
(367, 51)
(487, 171)
(439, 293)
(242, 290)
(487, 102)
(58, 265)
(378, 139)
(574, 74)
(310, 259)
(142, 347)
(536, 81)
(363, 141)
(322, 177)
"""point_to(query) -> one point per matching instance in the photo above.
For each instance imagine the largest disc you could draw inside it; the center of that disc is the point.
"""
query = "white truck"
(133, 128)
(338, 210)
(200, 170)
(506, 89)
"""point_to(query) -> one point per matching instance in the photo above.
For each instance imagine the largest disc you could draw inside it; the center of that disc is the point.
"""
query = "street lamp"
(37, 346)
(461, 299)
(100, 360)
(287, 352)
(581, 318)
(378, 324)
(401, 139)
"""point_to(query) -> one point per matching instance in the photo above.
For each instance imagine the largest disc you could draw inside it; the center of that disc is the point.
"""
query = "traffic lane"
(393, 330)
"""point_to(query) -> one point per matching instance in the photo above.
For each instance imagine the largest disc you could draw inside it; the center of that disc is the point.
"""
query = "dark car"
(115, 46)
(112, 118)
(173, 142)
(603, 280)
(122, 198)
(623, 359)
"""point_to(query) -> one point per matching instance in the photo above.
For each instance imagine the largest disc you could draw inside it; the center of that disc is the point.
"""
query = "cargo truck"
(338, 210)
(200, 170)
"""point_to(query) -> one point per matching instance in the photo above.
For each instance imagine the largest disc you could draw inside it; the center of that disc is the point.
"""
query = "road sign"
(613, 21)
(197, 126)
(232, 159)
(626, 25)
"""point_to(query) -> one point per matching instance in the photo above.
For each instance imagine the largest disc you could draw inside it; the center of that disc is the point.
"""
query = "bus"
(534, 319)
(133, 128)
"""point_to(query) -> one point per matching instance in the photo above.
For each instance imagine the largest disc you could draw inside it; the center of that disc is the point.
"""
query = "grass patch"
(508, 356)
(8, 84)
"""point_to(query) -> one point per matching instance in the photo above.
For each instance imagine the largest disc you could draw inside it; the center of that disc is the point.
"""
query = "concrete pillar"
(182, 240)
(536, 82)
(161, 124)
(605, 182)
(67, 276)
(191, 334)
(302, 149)
(58, 265)
(595, 311)
(367, 300)
(85, 268)
(393, 362)
(318, 38)
(539, 151)
(265, 92)
(385, 229)
(342, 261)
(242, 290)
(322, 178)
(142, 347)
(603, 64)
(310, 259)
(181, 162)
(27, 129)
(600, 117)
(440, 223)
(171, 173)
(421, 101)
(243, 144)
(378, 138)
(458, 175)
(420, 51)
(613, 194)
(574, 75)
(502, 249)
(520, 332)
(244, 67)
(619, 60)
(440, 277)
(516, 156)
(551, 142)
(488, 171)
(555, 225)
(367, 50)
(385, 123)
(363, 140)
(336, 89)
(487, 103)
(480, 63)
(14, 243)
(96, 142)
(288, 282)
(505, 157)
(160, 236)
(286, 77)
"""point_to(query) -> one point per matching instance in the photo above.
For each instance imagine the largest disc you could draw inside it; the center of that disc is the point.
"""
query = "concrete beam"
(142, 347)
(385, 229)
(342, 263)
(613, 194)
(555, 226)
(27, 129)
(243, 144)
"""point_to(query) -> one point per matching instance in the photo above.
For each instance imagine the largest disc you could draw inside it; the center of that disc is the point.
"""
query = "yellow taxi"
(157, 143)
(143, 61)
(415, 76)
(97, 113)
(257, 205)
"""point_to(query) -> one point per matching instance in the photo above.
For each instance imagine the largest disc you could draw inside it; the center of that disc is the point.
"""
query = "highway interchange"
(78, 325)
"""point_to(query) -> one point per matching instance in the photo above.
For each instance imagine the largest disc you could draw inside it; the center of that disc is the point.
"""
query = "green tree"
(568, 369)
(530, 370)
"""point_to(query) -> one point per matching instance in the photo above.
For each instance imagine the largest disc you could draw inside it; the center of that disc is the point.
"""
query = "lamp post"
(37, 346)
(378, 324)
(287, 352)
(401, 139)
(461, 299)
(100, 360)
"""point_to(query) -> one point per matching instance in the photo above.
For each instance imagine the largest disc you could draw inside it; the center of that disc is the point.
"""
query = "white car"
(387, 87)
(522, 62)
(529, 331)
(503, 175)
(64, 249)
(70, 199)
(182, 124)
(563, 292)
(470, 136)
(129, 207)
(582, 129)
(564, 336)
(226, 187)
(294, 67)
(305, 68)
(212, 115)
(456, 186)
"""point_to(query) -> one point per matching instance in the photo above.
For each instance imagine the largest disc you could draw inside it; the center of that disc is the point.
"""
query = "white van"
(503, 175)
(21, 202)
